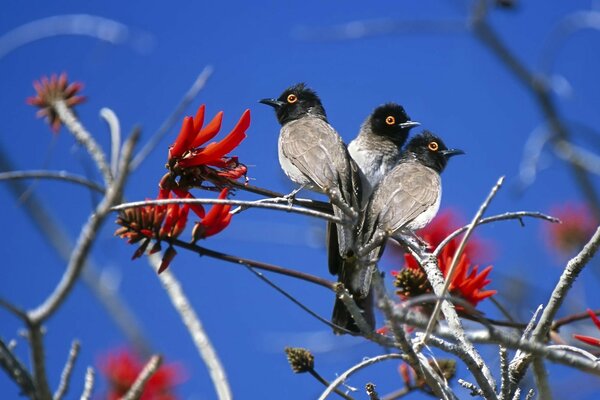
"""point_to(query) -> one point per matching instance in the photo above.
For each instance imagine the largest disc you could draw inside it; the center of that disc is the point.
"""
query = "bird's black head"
(430, 150)
(391, 121)
(296, 102)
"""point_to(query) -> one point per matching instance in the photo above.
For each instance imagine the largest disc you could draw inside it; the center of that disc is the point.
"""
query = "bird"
(405, 200)
(378, 145)
(313, 155)
(376, 149)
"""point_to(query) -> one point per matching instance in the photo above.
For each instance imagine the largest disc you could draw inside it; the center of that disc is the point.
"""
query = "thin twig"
(203, 251)
(136, 390)
(245, 203)
(458, 253)
(194, 326)
(297, 302)
(15, 369)
(173, 118)
(518, 215)
(356, 368)
(88, 386)
(56, 175)
(114, 128)
(322, 380)
(342, 293)
(68, 118)
(541, 379)
(504, 384)
(65, 377)
(571, 318)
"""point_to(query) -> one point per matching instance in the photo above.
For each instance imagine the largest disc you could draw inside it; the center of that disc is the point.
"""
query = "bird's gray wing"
(407, 192)
(313, 147)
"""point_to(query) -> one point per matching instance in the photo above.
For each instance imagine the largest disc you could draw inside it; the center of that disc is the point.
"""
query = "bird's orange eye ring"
(292, 98)
(390, 120)
(433, 146)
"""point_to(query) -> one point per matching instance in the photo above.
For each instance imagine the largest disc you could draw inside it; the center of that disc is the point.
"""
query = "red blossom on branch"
(467, 282)
(53, 89)
(191, 162)
(121, 368)
(576, 228)
(592, 341)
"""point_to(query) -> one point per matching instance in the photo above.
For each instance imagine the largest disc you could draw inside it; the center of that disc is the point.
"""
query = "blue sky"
(448, 81)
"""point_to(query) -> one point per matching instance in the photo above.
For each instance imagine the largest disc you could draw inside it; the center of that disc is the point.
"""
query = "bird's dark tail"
(348, 274)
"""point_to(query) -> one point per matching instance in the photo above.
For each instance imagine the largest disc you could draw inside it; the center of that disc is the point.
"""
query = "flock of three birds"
(382, 189)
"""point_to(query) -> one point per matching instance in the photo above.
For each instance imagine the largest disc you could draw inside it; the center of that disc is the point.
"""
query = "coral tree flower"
(191, 162)
(467, 282)
(576, 228)
(121, 368)
(588, 339)
(51, 90)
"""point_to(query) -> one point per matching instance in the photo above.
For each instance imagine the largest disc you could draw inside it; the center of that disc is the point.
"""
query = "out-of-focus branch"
(73, 24)
(58, 239)
(15, 369)
(136, 390)
(115, 137)
(541, 92)
(244, 203)
(84, 137)
(173, 118)
(86, 238)
(194, 326)
(57, 175)
(65, 377)
(88, 386)
(569, 275)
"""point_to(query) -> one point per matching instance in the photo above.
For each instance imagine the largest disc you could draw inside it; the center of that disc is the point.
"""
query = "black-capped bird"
(313, 155)
(378, 146)
(376, 149)
(406, 199)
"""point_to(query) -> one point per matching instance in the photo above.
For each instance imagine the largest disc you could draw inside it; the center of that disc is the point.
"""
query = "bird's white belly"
(290, 170)
(425, 217)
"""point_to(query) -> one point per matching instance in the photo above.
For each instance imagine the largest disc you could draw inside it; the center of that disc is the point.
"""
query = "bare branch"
(57, 175)
(76, 24)
(65, 377)
(194, 327)
(115, 137)
(356, 368)
(136, 390)
(173, 118)
(68, 118)
(86, 239)
(15, 369)
(518, 215)
(255, 204)
(88, 386)
(458, 253)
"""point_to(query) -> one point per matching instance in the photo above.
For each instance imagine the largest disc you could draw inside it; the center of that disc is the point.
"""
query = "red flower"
(588, 339)
(52, 90)
(576, 228)
(217, 219)
(121, 368)
(194, 164)
(467, 282)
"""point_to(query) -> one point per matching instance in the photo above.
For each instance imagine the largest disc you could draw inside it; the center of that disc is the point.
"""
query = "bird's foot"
(290, 197)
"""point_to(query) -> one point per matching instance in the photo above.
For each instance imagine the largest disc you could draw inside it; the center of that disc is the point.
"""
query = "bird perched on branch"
(313, 155)
(376, 150)
(405, 200)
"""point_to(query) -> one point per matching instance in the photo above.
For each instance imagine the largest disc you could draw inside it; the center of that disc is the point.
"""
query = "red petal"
(594, 318)
(217, 150)
(588, 339)
(209, 131)
(185, 137)
(196, 208)
(199, 120)
(170, 254)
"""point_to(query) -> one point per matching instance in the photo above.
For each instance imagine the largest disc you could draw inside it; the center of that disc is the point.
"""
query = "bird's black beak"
(409, 124)
(276, 104)
(451, 152)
